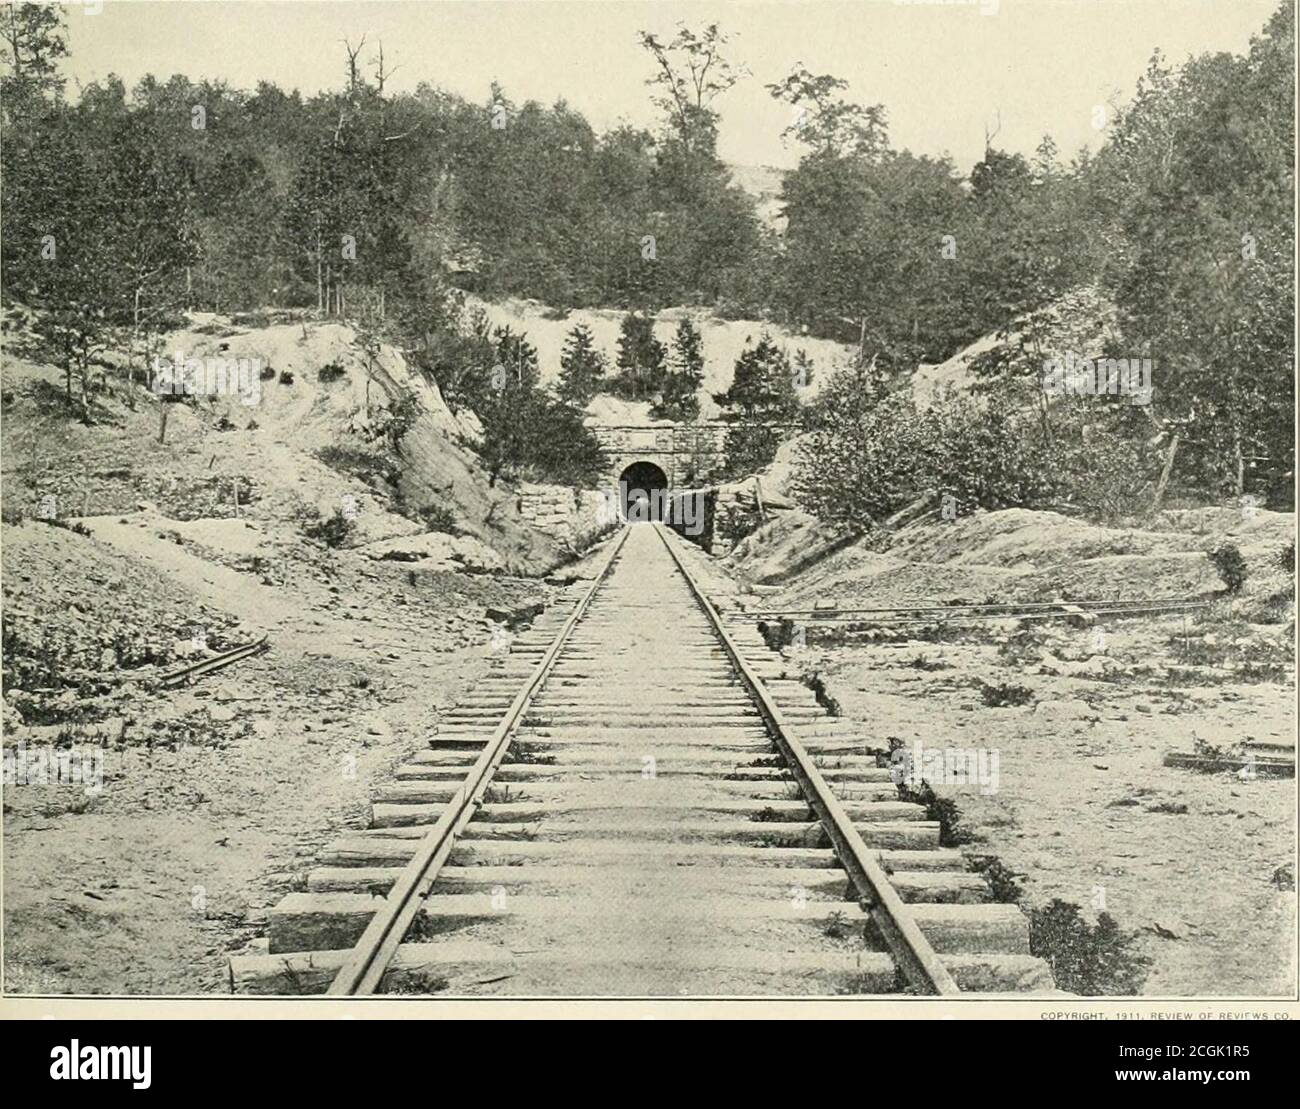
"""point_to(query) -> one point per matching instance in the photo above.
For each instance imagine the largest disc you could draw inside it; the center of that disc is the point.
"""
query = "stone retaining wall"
(573, 516)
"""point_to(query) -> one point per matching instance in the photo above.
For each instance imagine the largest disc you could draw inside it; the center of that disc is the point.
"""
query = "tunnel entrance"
(643, 493)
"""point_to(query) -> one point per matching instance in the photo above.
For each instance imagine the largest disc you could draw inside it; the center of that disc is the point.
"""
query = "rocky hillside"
(318, 440)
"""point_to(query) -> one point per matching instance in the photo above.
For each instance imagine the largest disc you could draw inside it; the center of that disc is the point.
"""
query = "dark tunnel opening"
(643, 493)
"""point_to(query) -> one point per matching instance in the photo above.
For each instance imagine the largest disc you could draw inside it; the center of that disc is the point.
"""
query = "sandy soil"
(217, 795)
(1086, 812)
(1200, 865)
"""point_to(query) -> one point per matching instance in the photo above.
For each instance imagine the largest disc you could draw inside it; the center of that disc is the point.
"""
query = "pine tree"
(681, 384)
(517, 357)
(582, 368)
(640, 357)
(760, 403)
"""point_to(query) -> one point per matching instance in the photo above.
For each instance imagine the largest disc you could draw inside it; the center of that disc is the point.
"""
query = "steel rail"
(216, 662)
(993, 609)
(916, 958)
(972, 619)
(364, 968)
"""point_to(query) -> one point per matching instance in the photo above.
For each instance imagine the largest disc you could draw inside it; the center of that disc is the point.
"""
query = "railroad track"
(960, 615)
(641, 802)
(187, 674)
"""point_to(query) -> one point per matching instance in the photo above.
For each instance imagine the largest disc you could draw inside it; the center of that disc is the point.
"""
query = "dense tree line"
(123, 207)
(345, 200)
(1183, 219)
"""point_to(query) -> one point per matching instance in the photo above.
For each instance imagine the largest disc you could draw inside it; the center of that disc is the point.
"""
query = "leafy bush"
(333, 530)
(825, 698)
(286, 377)
(438, 517)
(732, 527)
(1230, 564)
(777, 634)
(1005, 694)
(1022, 647)
(400, 416)
(941, 809)
(1093, 960)
(331, 371)
(1286, 558)
(74, 526)
(871, 451)
(532, 434)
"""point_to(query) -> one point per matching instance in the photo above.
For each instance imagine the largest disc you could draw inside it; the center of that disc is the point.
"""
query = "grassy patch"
(528, 753)
(923, 663)
(835, 926)
(1234, 649)
(357, 462)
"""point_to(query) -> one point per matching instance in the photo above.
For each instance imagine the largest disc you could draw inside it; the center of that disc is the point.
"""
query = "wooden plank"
(1263, 767)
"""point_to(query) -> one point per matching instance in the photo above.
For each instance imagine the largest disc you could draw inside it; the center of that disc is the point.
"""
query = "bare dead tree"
(354, 76)
(988, 138)
(382, 73)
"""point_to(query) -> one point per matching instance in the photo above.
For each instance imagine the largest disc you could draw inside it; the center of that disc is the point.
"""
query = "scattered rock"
(515, 617)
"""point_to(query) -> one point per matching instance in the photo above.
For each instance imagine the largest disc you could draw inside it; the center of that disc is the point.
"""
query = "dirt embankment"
(317, 434)
(213, 797)
(124, 557)
(1199, 865)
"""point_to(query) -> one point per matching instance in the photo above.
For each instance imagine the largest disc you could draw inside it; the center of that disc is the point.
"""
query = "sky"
(945, 71)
